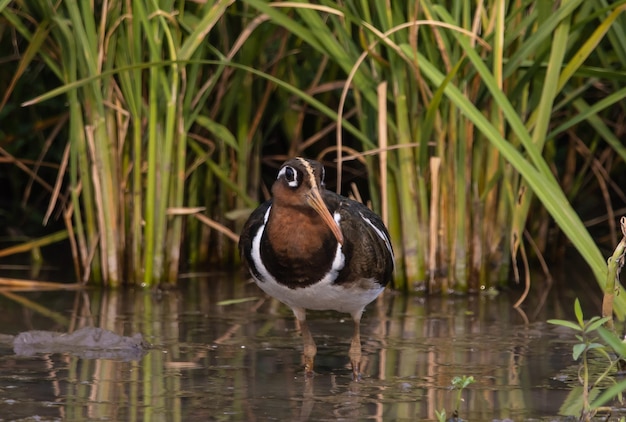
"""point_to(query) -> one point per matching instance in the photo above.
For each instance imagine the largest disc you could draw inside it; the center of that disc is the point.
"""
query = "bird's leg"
(355, 349)
(310, 350)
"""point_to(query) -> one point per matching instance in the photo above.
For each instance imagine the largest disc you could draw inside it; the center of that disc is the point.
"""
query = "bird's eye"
(291, 176)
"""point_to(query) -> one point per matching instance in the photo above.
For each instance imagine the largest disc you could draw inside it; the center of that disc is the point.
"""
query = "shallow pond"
(221, 350)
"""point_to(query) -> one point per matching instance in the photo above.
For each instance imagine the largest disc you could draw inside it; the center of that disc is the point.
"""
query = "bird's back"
(367, 245)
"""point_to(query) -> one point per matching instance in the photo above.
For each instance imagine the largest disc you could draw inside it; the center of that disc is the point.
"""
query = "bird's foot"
(355, 356)
(308, 366)
(356, 369)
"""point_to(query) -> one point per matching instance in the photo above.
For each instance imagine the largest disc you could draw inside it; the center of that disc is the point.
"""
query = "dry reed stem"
(30, 245)
(57, 184)
(522, 251)
(321, 133)
(184, 210)
(359, 155)
(44, 149)
(36, 285)
(435, 163)
(544, 266)
(356, 194)
(354, 154)
(603, 179)
(20, 165)
(217, 226)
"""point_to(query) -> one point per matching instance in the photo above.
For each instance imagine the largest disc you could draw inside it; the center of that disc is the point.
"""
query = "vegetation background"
(488, 134)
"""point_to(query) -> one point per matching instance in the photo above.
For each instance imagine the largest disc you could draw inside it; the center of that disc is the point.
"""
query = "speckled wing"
(367, 245)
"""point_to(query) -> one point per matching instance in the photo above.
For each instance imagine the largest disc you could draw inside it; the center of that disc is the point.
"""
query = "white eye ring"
(291, 176)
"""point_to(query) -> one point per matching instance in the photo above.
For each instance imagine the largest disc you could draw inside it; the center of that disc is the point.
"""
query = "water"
(214, 360)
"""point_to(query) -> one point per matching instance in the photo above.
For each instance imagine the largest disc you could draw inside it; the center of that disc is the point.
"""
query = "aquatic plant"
(587, 400)
(587, 343)
(458, 384)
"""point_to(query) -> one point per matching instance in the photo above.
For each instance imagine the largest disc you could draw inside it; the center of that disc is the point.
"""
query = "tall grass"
(133, 94)
(474, 92)
(460, 111)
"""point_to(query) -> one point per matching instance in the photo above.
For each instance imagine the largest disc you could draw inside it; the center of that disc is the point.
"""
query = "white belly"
(323, 296)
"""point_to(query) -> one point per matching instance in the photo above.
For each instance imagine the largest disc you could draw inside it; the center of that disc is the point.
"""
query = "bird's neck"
(296, 233)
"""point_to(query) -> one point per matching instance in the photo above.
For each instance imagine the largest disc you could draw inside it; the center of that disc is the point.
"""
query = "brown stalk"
(38, 163)
(544, 266)
(217, 226)
(323, 132)
(435, 164)
(28, 246)
(22, 166)
(602, 178)
(522, 252)
(36, 285)
(57, 184)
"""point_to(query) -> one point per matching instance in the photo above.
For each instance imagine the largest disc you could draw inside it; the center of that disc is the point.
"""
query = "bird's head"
(299, 184)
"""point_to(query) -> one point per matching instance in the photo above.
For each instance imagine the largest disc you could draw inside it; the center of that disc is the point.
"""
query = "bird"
(313, 249)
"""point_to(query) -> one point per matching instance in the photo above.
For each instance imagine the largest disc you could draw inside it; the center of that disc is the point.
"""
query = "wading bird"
(313, 249)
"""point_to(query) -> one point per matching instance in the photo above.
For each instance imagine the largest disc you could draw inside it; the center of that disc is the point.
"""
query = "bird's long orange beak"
(314, 199)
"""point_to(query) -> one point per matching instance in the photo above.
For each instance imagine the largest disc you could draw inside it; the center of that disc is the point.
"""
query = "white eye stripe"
(291, 176)
(309, 170)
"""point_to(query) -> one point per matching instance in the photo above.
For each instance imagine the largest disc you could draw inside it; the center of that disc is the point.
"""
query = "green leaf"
(609, 394)
(564, 323)
(577, 350)
(441, 416)
(574, 403)
(3, 4)
(579, 313)
(199, 35)
(592, 346)
(594, 325)
(219, 130)
(613, 340)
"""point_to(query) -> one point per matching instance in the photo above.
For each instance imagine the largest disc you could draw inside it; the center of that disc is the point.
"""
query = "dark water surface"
(215, 360)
